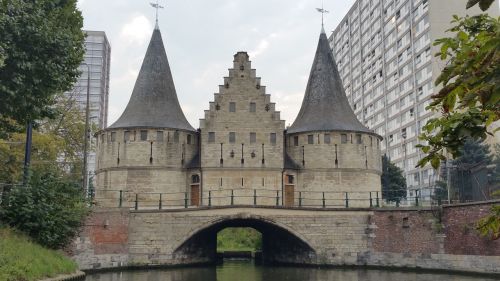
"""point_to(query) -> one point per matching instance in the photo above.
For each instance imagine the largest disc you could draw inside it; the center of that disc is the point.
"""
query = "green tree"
(470, 93)
(393, 181)
(57, 144)
(50, 209)
(41, 48)
(483, 4)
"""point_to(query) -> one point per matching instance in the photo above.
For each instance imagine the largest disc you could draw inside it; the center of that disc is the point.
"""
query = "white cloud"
(137, 30)
(261, 47)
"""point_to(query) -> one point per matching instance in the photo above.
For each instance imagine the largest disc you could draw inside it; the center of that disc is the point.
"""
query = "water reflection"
(247, 271)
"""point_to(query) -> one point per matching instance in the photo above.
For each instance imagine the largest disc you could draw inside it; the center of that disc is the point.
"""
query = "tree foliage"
(57, 144)
(393, 181)
(50, 209)
(41, 48)
(470, 93)
(483, 4)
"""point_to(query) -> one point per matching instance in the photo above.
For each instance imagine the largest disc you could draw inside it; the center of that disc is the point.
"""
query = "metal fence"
(250, 197)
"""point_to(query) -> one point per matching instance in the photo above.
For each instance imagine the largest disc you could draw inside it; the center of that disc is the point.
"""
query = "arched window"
(195, 179)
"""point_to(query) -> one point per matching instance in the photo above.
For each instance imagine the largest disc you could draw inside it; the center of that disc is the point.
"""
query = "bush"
(50, 209)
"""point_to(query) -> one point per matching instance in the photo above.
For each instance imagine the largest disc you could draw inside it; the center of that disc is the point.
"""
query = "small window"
(327, 138)
(144, 135)
(103, 136)
(159, 136)
(195, 179)
(211, 136)
(242, 67)
(232, 107)
(113, 136)
(273, 138)
(310, 139)
(232, 137)
(253, 137)
(343, 138)
(188, 140)
(290, 179)
(359, 139)
(126, 136)
(296, 140)
(252, 107)
(176, 136)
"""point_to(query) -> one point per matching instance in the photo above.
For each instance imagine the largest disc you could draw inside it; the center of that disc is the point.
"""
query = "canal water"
(248, 271)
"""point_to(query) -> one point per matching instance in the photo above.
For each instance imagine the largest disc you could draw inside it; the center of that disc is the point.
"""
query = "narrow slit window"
(296, 140)
(176, 136)
(232, 137)
(113, 136)
(188, 140)
(232, 107)
(126, 136)
(159, 136)
(359, 139)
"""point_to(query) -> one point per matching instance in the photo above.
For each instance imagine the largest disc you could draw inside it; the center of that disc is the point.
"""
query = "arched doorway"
(279, 244)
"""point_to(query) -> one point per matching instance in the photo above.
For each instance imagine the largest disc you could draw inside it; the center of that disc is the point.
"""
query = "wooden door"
(289, 195)
(195, 195)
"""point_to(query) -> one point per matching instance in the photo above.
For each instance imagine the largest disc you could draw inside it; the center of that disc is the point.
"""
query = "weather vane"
(322, 11)
(156, 6)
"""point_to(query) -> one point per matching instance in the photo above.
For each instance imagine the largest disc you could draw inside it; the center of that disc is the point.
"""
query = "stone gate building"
(242, 153)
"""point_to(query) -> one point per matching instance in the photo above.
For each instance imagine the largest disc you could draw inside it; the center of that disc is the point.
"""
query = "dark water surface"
(247, 271)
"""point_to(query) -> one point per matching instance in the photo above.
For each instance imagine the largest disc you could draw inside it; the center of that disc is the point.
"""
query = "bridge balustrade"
(251, 197)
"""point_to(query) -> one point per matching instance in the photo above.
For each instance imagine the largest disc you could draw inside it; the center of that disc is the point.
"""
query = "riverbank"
(21, 259)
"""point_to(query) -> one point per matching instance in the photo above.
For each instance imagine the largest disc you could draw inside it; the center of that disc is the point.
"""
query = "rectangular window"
(327, 138)
(273, 138)
(126, 136)
(359, 139)
(232, 137)
(253, 137)
(343, 138)
(159, 136)
(176, 136)
(144, 135)
(232, 107)
(188, 140)
(252, 107)
(113, 136)
(211, 136)
(310, 139)
(296, 140)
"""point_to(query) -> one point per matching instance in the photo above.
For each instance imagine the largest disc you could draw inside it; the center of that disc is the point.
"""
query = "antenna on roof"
(322, 11)
(156, 6)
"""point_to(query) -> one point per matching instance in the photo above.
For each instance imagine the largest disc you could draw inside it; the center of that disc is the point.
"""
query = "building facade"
(96, 60)
(241, 153)
(386, 61)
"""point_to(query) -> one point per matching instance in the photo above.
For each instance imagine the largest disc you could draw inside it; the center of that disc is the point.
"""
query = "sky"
(201, 38)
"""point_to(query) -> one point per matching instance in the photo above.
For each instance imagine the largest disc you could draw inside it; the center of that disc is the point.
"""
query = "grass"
(23, 260)
(239, 239)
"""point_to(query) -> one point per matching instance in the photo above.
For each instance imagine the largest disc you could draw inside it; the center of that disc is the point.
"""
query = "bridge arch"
(280, 243)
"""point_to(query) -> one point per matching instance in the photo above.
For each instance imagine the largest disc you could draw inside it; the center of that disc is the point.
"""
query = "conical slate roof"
(154, 102)
(325, 106)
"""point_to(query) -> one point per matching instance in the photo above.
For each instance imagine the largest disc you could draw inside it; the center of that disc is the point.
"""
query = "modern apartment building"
(97, 61)
(384, 53)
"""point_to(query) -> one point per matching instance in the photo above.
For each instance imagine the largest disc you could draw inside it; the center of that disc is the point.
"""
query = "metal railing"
(250, 197)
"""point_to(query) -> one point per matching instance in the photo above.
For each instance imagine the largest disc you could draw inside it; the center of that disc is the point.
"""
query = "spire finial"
(157, 7)
(322, 11)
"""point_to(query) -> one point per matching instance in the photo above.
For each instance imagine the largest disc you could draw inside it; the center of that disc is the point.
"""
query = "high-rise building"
(385, 56)
(97, 61)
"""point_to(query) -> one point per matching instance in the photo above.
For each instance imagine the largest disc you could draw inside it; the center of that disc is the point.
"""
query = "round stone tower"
(328, 149)
(152, 145)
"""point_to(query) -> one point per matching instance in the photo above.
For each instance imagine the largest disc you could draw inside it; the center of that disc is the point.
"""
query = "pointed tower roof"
(154, 102)
(325, 106)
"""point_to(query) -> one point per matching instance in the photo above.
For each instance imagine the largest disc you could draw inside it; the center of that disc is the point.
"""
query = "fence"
(249, 197)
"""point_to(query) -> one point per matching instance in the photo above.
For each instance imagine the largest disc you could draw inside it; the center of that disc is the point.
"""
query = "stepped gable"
(154, 102)
(325, 106)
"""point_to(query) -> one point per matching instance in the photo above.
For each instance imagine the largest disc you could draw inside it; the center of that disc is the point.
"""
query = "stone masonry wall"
(412, 238)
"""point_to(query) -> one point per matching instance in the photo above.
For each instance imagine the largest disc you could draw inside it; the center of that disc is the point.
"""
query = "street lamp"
(85, 146)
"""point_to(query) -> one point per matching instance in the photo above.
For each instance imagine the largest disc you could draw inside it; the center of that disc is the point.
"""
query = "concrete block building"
(241, 154)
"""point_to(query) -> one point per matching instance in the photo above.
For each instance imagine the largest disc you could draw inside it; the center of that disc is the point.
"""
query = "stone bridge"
(115, 237)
